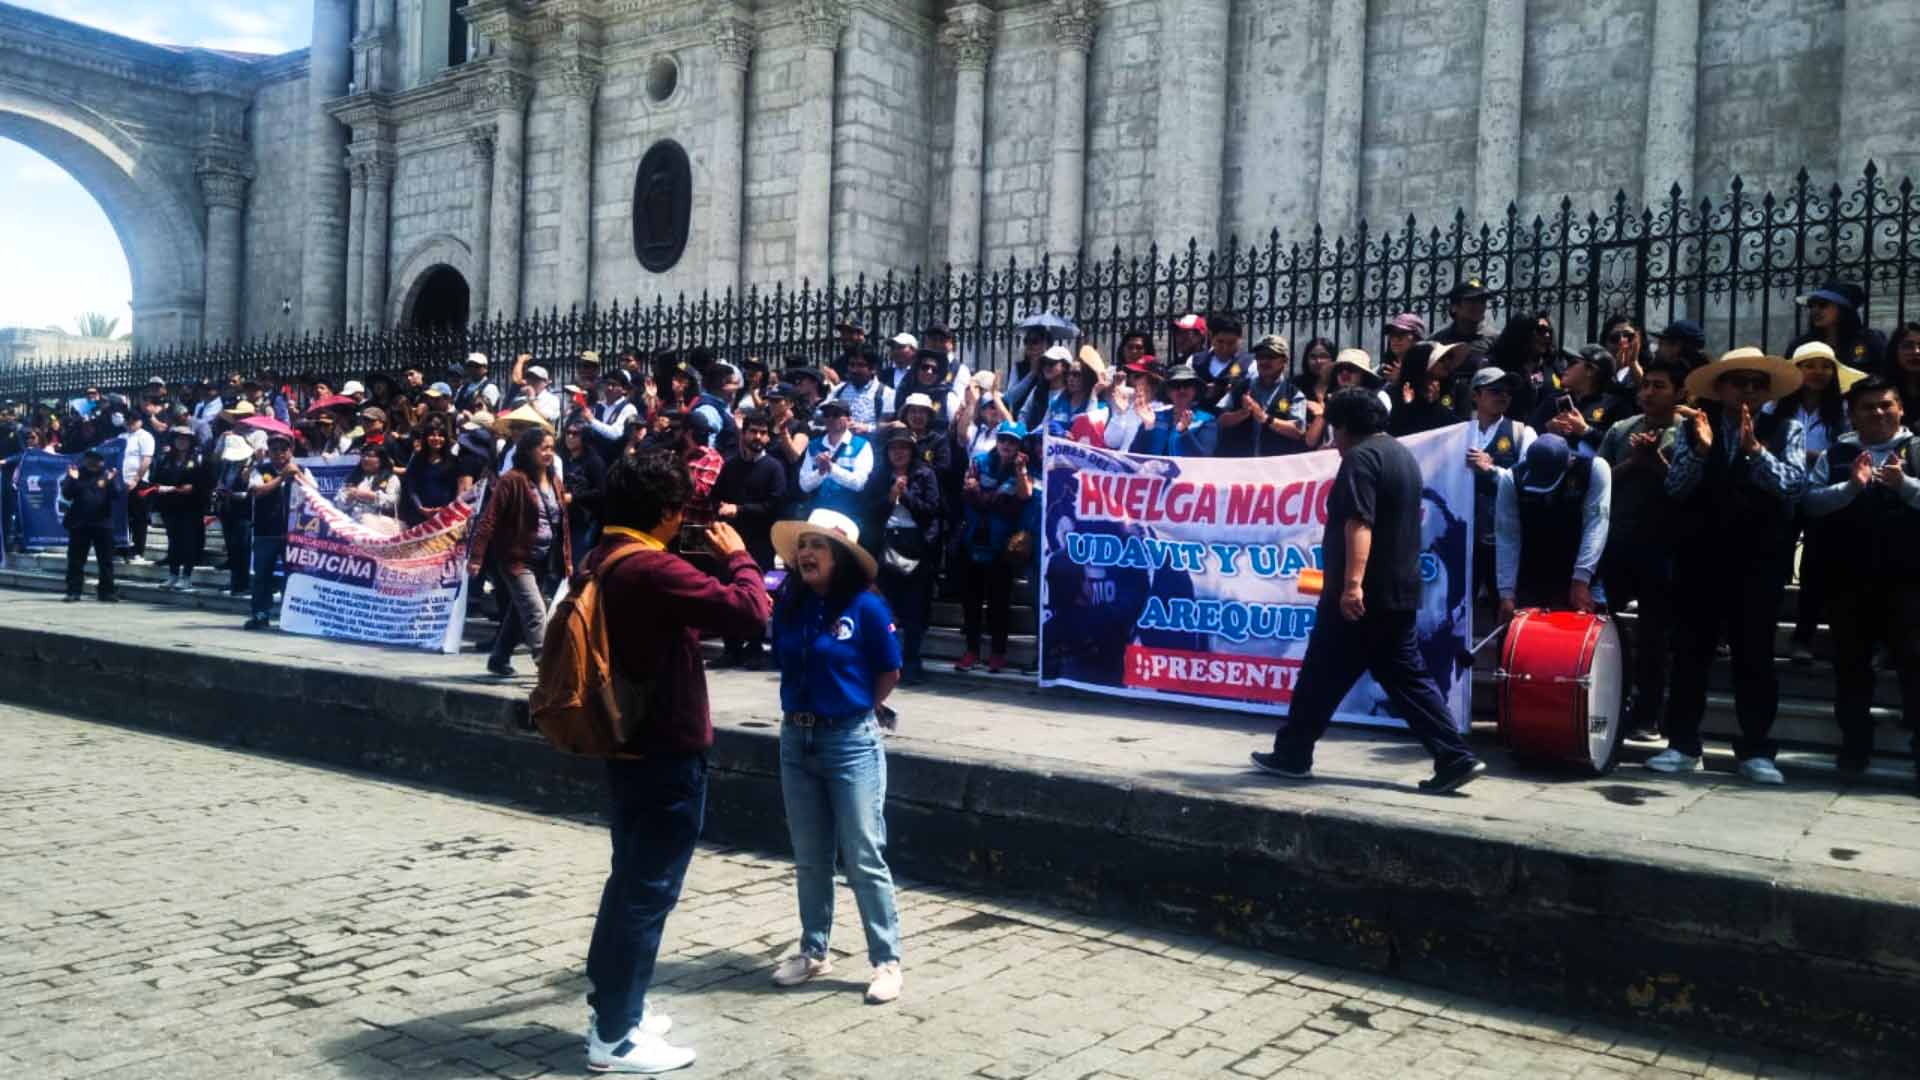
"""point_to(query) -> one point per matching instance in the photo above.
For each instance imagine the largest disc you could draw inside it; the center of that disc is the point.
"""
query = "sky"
(58, 254)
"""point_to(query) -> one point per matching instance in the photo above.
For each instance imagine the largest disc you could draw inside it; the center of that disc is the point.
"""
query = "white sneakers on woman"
(644, 1050)
(799, 968)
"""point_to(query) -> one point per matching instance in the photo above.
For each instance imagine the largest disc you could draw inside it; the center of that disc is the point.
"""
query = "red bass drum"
(1561, 688)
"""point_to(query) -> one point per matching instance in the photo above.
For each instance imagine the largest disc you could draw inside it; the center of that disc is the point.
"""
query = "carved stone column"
(356, 232)
(733, 41)
(373, 278)
(323, 253)
(505, 96)
(821, 24)
(1192, 111)
(968, 37)
(1339, 202)
(576, 85)
(1073, 22)
(480, 228)
(223, 187)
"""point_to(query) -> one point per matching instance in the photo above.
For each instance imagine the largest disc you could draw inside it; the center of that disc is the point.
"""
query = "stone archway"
(142, 195)
(424, 273)
(442, 302)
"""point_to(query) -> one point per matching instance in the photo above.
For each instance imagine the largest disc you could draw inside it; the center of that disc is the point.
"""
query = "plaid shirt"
(703, 466)
(1781, 476)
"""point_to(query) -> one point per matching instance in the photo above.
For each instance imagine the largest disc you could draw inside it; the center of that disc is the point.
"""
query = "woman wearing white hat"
(1820, 408)
(834, 640)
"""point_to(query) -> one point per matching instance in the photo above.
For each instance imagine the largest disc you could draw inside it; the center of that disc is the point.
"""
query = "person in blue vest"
(834, 475)
(1256, 418)
(1495, 444)
(1177, 427)
(1863, 495)
(998, 486)
(716, 410)
(1736, 474)
(1550, 519)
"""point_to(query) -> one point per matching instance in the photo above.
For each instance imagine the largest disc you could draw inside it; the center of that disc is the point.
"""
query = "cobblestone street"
(179, 911)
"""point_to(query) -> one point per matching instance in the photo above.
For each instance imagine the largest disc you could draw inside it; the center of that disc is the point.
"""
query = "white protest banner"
(1177, 578)
(361, 582)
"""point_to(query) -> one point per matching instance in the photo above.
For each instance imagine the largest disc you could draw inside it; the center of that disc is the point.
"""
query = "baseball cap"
(1272, 345)
(1190, 321)
(535, 371)
(1545, 464)
(904, 338)
(834, 405)
(1491, 376)
(1684, 330)
(1408, 323)
(1471, 289)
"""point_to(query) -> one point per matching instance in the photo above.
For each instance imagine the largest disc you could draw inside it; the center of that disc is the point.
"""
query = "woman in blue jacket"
(833, 638)
(998, 487)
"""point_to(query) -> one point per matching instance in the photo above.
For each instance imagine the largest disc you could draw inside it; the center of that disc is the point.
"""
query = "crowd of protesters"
(1630, 470)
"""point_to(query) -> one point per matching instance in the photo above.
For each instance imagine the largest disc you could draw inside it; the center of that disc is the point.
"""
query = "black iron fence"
(1735, 263)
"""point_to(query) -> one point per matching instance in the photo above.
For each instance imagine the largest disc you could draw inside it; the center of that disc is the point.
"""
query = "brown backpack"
(582, 703)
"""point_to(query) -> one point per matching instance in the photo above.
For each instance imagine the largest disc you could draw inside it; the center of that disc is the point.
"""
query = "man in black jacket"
(749, 493)
(90, 492)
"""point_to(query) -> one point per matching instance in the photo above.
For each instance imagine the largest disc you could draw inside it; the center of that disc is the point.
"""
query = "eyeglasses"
(1748, 382)
(1621, 335)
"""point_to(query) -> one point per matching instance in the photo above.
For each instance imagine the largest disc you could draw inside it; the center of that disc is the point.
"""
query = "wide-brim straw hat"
(525, 414)
(1785, 375)
(1844, 374)
(1090, 358)
(837, 528)
(235, 449)
(1359, 359)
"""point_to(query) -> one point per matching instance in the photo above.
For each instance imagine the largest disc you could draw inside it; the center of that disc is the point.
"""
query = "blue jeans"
(657, 805)
(834, 779)
(267, 551)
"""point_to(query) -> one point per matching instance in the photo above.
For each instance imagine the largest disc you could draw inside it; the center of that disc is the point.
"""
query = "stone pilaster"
(968, 38)
(1876, 91)
(223, 187)
(821, 24)
(376, 59)
(576, 85)
(323, 254)
(480, 228)
(733, 41)
(356, 233)
(1073, 23)
(1340, 119)
(1503, 54)
(1673, 80)
(1191, 134)
(373, 276)
(504, 95)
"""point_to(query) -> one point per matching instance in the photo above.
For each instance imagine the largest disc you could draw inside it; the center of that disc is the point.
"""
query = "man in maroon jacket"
(656, 605)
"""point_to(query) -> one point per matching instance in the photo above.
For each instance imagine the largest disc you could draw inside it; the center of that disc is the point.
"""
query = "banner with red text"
(1177, 578)
(371, 581)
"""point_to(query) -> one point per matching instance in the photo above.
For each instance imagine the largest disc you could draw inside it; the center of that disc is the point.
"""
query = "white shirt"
(852, 475)
(139, 455)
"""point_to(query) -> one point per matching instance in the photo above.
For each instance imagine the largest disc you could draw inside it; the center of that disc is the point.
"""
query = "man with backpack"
(629, 634)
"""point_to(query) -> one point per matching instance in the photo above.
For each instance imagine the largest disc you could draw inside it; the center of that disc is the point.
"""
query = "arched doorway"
(441, 301)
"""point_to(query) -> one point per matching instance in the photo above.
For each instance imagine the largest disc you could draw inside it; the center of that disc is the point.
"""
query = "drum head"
(1605, 693)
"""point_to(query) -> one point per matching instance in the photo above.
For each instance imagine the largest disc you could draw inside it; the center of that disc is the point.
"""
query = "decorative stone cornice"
(505, 21)
(1073, 23)
(822, 22)
(733, 39)
(968, 36)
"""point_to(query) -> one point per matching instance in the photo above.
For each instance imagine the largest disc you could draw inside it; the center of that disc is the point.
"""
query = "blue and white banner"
(1177, 578)
(36, 487)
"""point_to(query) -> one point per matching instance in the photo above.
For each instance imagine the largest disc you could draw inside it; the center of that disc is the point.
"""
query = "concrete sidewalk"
(1698, 904)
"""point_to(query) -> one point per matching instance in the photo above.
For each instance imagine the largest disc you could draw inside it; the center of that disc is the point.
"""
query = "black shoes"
(502, 669)
(1453, 777)
(110, 598)
(255, 623)
(1272, 765)
(73, 598)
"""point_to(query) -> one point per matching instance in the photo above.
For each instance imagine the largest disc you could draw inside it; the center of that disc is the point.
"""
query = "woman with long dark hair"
(1622, 337)
(1903, 362)
(833, 638)
(525, 526)
(1424, 399)
(180, 491)
(1833, 317)
(434, 478)
(1311, 385)
(586, 482)
(1820, 407)
(372, 489)
(1526, 349)
(995, 493)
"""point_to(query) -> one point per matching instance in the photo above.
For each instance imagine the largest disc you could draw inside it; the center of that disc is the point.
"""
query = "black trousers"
(98, 539)
(1638, 572)
(1813, 581)
(1736, 596)
(988, 584)
(1385, 645)
(186, 538)
(1863, 615)
(137, 521)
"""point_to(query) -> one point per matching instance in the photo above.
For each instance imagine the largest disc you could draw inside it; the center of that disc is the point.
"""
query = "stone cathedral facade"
(427, 160)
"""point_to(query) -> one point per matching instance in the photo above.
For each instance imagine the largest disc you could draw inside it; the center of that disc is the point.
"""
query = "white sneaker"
(1760, 770)
(1673, 761)
(800, 967)
(639, 1052)
(139, 560)
(885, 986)
(654, 1022)
(172, 580)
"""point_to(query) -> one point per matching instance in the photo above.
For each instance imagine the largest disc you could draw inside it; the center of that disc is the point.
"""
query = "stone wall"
(276, 206)
(1584, 110)
(882, 180)
(1770, 93)
(1273, 123)
(1122, 135)
(1019, 137)
(1422, 104)
(772, 157)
